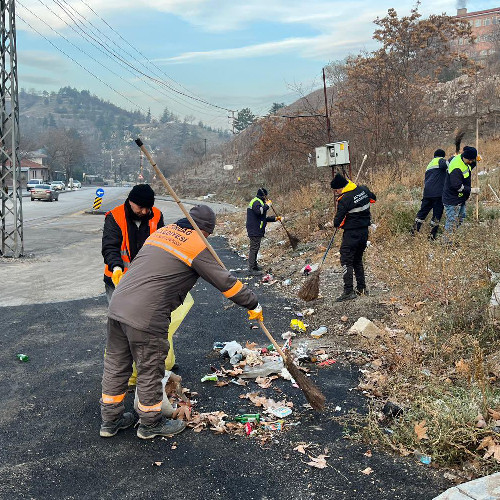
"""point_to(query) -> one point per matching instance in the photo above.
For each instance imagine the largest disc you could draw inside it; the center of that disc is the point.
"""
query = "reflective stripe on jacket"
(257, 218)
(165, 269)
(118, 214)
(353, 209)
(457, 184)
(435, 174)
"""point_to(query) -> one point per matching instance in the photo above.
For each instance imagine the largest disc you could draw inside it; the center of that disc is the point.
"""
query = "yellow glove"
(256, 313)
(117, 275)
(269, 203)
(478, 158)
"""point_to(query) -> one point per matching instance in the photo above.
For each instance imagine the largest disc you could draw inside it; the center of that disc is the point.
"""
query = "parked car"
(58, 185)
(44, 192)
(76, 184)
(33, 183)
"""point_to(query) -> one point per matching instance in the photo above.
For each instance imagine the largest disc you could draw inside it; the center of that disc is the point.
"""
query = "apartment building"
(485, 26)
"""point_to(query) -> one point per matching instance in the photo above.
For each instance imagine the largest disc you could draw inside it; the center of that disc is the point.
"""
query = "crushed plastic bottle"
(211, 378)
(267, 368)
(319, 332)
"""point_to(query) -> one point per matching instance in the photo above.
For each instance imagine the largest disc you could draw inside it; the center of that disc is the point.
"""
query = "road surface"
(53, 309)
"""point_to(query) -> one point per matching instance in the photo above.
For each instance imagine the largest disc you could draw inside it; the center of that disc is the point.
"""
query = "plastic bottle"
(319, 332)
(23, 357)
(248, 417)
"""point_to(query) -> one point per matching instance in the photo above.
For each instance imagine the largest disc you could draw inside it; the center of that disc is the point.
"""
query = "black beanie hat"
(439, 153)
(142, 195)
(339, 182)
(469, 153)
(261, 193)
(204, 217)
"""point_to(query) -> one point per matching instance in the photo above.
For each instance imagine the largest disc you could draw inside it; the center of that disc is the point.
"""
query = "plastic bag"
(263, 370)
(166, 407)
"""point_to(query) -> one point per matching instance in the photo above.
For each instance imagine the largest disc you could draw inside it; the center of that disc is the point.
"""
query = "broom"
(459, 134)
(294, 241)
(310, 289)
(311, 392)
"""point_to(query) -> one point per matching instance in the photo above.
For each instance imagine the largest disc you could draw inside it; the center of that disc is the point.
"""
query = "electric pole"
(11, 214)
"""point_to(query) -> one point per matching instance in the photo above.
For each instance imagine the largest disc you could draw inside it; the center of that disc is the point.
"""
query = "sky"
(227, 54)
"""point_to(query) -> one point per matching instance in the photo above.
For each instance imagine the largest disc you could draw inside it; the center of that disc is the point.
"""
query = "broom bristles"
(294, 241)
(313, 395)
(310, 289)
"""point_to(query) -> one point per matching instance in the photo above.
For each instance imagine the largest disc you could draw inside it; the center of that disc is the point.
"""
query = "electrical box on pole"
(11, 214)
(333, 154)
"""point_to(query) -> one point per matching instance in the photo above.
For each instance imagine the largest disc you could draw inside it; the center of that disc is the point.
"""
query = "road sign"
(97, 203)
(99, 192)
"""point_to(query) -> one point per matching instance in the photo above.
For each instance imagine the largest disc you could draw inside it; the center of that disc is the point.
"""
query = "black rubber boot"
(346, 296)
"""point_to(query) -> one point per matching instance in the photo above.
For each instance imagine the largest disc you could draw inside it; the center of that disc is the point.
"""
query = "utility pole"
(11, 213)
(232, 120)
(205, 148)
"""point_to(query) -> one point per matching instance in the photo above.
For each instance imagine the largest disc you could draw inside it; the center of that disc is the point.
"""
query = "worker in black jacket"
(432, 199)
(126, 228)
(257, 220)
(353, 216)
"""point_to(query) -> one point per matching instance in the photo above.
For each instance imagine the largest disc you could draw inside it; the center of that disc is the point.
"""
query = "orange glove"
(117, 275)
(256, 313)
(278, 218)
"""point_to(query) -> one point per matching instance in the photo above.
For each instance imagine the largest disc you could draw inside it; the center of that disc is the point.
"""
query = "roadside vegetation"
(437, 361)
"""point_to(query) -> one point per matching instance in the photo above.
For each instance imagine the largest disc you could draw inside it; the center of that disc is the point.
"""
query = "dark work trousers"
(124, 345)
(351, 257)
(109, 291)
(428, 204)
(254, 250)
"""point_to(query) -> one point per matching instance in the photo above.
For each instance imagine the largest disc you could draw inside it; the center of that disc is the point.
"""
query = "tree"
(276, 107)
(244, 119)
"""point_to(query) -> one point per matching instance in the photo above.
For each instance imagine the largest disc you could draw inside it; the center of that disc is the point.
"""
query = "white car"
(58, 185)
(33, 183)
(77, 184)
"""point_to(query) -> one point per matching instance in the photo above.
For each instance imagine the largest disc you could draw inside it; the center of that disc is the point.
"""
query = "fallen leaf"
(158, 463)
(462, 367)
(367, 471)
(344, 318)
(494, 414)
(421, 430)
(368, 453)
(251, 345)
(486, 442)
(221, 383)
(319, 462)
(174, 446)
(301, 448)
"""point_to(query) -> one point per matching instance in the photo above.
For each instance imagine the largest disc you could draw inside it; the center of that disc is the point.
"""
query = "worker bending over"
(353, 216)
(165, 269)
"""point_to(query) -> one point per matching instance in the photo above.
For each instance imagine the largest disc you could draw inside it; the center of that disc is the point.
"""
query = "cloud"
(42, 60)
(38, 80)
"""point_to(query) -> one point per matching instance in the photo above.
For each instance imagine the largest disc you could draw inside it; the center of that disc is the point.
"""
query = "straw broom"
(310, 289)
(294, 241)
(313, 395)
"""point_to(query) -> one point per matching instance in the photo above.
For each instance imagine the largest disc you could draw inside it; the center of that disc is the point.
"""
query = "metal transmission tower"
(11, 214)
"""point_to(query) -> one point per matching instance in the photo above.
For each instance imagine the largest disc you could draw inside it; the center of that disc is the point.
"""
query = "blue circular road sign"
(100, 192)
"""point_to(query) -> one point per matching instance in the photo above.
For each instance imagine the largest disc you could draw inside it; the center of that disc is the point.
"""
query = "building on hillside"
(485, 26)
(29, 170)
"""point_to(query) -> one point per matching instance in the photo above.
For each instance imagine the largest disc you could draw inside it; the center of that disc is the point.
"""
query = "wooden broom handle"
(270, 337)
(179, 202)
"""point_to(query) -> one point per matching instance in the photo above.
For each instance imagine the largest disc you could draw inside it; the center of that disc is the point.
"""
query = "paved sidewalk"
(484, 488)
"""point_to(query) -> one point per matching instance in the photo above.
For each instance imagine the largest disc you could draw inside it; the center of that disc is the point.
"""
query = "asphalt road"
(49, 416)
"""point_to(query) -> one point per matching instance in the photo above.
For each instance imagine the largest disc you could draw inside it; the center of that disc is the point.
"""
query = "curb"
(484, 488)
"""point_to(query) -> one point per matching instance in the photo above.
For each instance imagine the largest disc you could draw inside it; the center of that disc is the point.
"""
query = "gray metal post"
(11, 215)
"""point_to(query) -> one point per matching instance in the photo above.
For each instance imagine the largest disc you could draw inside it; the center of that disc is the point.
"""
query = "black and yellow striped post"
(98, 199)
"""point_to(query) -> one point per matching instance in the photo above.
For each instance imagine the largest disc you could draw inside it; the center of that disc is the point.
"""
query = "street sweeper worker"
(432, 199)
(353, 216)
(257, 220)
(165, 269)
(126, 228)
(457, 187)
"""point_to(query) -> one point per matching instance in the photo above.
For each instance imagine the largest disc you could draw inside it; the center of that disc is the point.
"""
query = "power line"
(110, 53)
(76, 62)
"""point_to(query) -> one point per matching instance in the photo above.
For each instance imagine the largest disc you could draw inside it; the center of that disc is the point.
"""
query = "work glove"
(279, 217)
(256, 313)
(373, 227)
(475, 190)
(269, 203)
(117, 275)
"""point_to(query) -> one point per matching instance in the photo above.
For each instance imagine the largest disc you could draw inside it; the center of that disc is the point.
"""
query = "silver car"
(58, 185)
(44, 192)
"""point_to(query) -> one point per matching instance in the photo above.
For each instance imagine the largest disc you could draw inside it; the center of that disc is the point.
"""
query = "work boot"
(434, 232)
(346, 296)
(164, 427)
(361, 291)
(109, 429)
